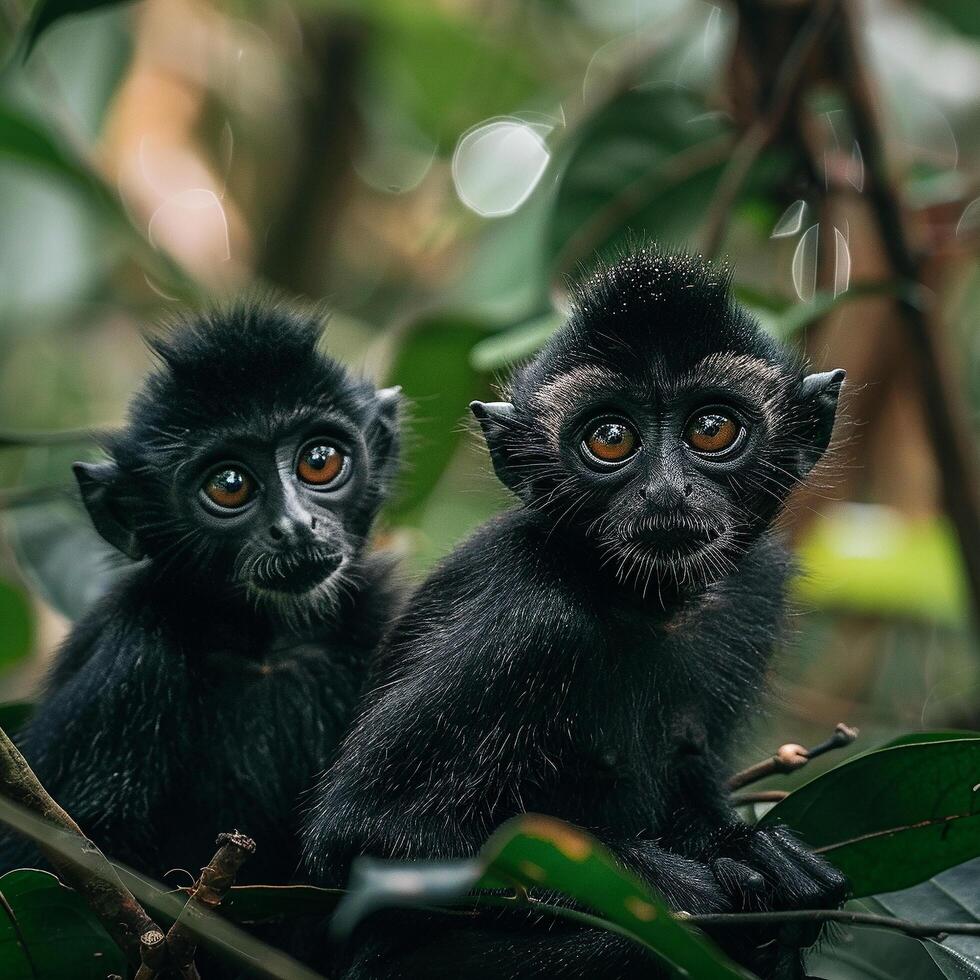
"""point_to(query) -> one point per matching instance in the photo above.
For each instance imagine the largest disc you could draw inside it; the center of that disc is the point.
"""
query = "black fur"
(213, 684)
(593, 653)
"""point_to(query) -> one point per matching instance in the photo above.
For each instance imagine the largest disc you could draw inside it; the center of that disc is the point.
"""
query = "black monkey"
(593, 653)
(212, 685)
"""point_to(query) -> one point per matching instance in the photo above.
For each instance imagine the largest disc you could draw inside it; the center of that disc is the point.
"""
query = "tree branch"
(206, 895)
(79, 863)
(945, 417)
(766, 127)
(920, 930)
(791, 756)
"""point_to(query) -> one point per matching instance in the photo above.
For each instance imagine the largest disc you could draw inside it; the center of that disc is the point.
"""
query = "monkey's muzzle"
(295, 572)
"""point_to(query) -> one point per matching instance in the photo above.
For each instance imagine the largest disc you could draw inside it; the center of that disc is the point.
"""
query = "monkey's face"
(253, 465)
(661, 423)
(278, 512)
(670, 474)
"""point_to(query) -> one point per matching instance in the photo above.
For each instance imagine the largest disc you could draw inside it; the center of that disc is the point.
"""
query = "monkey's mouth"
(293, 572)
(675, 537)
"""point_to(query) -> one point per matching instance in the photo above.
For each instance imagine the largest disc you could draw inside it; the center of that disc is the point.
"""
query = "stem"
(65, 437)
(206, 895)
(791, 757)
(766, 127)
(920, 930)
(79, 863)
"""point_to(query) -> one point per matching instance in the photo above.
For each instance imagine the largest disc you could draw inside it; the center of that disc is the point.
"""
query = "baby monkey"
(211, 686)
(593, 653)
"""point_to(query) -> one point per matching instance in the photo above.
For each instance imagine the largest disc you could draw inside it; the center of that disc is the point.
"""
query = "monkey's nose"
(287, 531)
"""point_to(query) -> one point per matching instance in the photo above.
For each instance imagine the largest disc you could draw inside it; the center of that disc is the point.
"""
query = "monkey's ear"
(99, 484)
(819, 394)
(497, 422)
(385, 431)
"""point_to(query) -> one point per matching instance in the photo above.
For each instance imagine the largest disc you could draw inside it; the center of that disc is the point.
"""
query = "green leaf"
(787, 322)
(891, 818)
(914, 738)
(27, 141)
(433, 367)
(869, 558)
(24, 140)
(513, 345)
(647, 162)
(62, 556)
(535, 852)
(48, 933)
(446, 71)
(857, 953)
(961, 14)
(14, 715)
(16, 624)
(46, 12)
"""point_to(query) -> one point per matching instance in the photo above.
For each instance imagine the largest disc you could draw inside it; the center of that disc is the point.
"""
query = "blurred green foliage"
(111, 117)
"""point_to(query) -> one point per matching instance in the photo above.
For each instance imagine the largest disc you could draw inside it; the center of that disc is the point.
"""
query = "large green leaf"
(535, 852)
(62, 556)
(891, 818)
(861, 953)
(513, 345)
(962, 14)
(16, 624)
(446, 71)
(24, 140)
(46, 12)
(27, 141)
(870, 559)
(433, 368)
(48, 933)
(647, 162)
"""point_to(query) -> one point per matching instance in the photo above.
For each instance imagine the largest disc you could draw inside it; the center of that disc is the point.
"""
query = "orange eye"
(320, 464)
(229, 487)
(711, 431)
(610, 442)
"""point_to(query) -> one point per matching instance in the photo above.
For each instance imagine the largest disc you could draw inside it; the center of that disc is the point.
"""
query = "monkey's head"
(251, 462)
(661, 422)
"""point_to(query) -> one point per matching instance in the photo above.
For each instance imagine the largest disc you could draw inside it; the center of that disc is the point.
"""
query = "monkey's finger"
(744, 884)
(832, 882)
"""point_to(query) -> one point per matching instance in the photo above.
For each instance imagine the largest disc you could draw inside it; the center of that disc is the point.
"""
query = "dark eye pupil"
(228, 481)
(611, 434)
(711, 425)
(316, 458)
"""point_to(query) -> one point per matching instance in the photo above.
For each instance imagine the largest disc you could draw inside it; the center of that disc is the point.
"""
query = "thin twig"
(920, 930)
(791, 757)
(261, 959)
(766, 127)
(759, 796)
(206, 895)
(79, 863)
(63, 437)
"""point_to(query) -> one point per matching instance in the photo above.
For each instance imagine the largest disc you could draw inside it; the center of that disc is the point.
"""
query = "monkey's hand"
(768, 868)
(687, 885)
